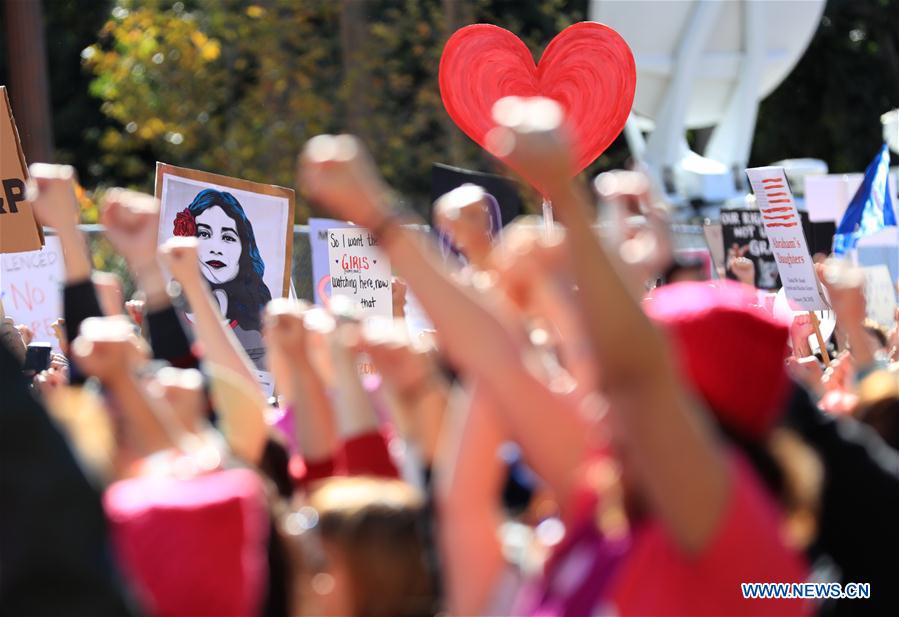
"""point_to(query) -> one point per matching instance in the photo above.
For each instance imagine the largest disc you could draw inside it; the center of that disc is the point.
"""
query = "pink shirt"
(648, 574)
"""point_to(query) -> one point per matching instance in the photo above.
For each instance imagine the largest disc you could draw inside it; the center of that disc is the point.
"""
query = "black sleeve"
(859, 510)
(79, 301)
(168, 338)
(56, 555)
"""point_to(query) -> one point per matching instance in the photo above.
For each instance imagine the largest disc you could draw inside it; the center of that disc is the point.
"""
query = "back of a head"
(377, 526)
(879, 405)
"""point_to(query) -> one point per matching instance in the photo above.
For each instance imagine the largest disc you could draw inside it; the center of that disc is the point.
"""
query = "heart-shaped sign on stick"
(587, 68)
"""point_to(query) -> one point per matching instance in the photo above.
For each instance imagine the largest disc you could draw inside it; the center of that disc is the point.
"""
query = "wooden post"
(816, 324)
(28, 81)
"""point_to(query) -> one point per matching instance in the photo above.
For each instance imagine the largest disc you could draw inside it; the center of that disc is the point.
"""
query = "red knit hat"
(731, 350)
(194, 546)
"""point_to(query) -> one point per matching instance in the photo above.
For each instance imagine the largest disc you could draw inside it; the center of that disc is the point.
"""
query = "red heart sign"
(587, 68)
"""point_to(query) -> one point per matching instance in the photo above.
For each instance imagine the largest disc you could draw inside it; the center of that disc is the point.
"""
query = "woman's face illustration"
(220, 245)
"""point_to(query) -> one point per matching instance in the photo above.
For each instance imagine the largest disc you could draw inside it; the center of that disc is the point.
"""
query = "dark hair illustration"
(247, 292)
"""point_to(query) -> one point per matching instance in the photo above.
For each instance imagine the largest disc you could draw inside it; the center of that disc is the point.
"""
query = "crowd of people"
(590, 427)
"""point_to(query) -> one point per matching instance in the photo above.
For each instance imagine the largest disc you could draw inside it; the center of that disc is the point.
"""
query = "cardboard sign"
(321, 269)
(743, 235)
(245, 233)
(786, 241)
(30, 288)
(880, 295)
(19, 230)
(360, 271)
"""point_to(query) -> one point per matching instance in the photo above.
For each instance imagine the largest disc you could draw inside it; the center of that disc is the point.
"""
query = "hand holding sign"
(131, 220)
(51, 191)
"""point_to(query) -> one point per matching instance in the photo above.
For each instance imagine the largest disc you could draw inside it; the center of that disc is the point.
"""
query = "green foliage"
(237, 88)
(830, 105)
(224, 87)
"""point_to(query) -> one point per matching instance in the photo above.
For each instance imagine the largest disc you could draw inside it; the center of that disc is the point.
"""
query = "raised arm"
(469, 483)
(337, 173)
(131, 220)
(51, 189)
(298, 382)
(104, 350)
(220, 345)
(845, 286)
(246, 424)
(678, 458)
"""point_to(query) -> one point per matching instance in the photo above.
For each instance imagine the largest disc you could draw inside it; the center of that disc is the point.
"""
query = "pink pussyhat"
(192, 546)
(730, 350)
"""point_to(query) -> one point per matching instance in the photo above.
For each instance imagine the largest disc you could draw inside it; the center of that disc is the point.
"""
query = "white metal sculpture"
(704, 63)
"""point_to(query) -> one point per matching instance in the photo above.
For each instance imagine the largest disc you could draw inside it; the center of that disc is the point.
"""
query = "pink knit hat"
(192, 546)
(730, 349)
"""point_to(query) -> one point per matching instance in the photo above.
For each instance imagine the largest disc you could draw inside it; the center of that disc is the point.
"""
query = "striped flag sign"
(785, 237)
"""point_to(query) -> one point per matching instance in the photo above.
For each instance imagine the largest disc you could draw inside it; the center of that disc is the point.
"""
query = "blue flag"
(871, 208)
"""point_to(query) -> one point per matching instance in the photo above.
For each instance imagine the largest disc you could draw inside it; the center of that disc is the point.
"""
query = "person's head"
(730, 353)
(683, 270)
(878, 405)
(362, 550)
(877, 334)
(468, 219)
(229, 257)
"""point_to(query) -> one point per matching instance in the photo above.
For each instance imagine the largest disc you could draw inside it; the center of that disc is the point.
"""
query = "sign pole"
(816, 325)
(547, 217)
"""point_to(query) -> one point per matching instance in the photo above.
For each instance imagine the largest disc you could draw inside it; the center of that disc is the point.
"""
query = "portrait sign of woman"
(231, 262)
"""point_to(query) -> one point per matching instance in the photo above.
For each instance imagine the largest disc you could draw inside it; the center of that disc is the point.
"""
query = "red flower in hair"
(185, 224)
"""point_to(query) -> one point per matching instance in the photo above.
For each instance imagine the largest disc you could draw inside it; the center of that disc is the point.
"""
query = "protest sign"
(482, 63)
(786, 241)
(19, 231)
(321, 269)
(827, 196)
(30, 284)
(506, 192)
(245, 233)
(360, 271)
(743, 235)
(880, 248)
(880, 295)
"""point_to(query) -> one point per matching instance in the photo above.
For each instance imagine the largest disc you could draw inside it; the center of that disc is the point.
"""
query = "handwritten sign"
(360, 271)
(19, 231)
(783, 227)
(743, 232)
(321, 269)
(31, 284)
(880, 295)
